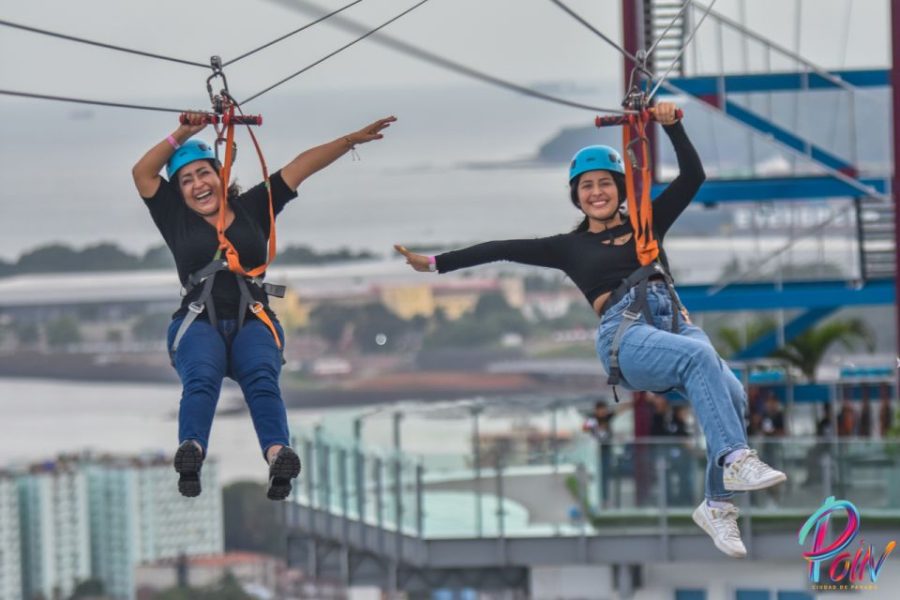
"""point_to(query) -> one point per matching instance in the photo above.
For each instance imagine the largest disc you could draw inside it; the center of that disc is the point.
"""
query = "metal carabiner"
(217, 100)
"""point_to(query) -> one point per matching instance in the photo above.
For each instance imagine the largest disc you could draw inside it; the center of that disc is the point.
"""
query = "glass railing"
(585, 487)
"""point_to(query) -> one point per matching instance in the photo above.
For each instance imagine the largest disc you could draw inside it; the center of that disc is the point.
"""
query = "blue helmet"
(595, 158)
(189, 151)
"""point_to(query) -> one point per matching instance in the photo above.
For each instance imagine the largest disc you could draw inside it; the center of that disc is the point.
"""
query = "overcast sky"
(525, 41)
(528, 42)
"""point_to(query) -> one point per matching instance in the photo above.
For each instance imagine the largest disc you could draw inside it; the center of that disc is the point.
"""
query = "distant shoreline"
(84, 368)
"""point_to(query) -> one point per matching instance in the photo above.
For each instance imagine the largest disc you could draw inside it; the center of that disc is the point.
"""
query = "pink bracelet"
(432, 264)
(173, 142)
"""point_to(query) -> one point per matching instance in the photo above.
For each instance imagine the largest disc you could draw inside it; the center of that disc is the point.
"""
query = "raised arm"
(679, 193)
(146, 171)
(316, 159)
(538, 252)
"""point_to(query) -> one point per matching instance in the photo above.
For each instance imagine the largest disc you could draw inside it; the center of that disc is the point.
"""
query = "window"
(690, 594)
(752, 595)
(792, 595)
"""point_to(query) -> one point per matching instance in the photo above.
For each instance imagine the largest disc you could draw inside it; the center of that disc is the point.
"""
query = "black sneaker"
(284, 467)
(188, 460)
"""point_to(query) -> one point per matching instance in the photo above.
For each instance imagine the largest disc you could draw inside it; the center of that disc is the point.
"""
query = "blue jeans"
(654, 359)
(207, 354)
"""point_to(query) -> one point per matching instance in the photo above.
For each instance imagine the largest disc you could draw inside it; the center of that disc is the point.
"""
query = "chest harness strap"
(206, 277)
(225, 107)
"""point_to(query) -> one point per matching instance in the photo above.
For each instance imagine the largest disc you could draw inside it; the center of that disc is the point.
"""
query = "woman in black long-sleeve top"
(645, 336)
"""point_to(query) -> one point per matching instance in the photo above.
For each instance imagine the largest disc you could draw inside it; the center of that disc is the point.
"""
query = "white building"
(10, 547)
(138, 516)
(54, 528)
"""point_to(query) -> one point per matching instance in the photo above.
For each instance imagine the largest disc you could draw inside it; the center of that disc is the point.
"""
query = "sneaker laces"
(725, 522)
(751, 462)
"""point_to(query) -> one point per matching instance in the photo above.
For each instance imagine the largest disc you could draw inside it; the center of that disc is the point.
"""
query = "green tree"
(732, 340)
(28, 334)
(63, 331)
(807, 350)
(329, 321)
(89, 589)
(491, 318)
(59, 257)
(251, 524)
(6, 268)
(157, 257)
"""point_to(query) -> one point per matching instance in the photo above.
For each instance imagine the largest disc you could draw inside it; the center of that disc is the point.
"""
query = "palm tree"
(732, 340)
(807, 350)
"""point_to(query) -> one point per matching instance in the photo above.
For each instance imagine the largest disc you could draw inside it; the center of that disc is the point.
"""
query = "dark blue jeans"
(206, 355)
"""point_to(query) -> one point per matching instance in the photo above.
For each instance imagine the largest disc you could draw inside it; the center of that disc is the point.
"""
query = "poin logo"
(846, 571)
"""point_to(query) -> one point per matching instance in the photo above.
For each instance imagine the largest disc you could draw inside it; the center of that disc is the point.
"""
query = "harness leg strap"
(195, 308)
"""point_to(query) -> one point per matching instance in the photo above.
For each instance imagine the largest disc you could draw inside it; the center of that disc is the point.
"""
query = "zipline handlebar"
(213, 119)
(623, 119)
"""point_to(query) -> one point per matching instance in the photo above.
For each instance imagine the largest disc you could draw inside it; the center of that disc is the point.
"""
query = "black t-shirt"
(589, 259)
(193, 240)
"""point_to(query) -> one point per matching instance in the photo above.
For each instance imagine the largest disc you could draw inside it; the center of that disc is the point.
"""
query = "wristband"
(173, 142)
(432, 264)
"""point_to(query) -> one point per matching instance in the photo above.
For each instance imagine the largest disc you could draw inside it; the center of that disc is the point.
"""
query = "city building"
(252, 570)
(55, 535)
(10, 547)
(138, 516)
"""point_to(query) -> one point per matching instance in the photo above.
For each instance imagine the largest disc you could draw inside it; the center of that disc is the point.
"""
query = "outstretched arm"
(146, 171)
(316, 159)
(538, 252)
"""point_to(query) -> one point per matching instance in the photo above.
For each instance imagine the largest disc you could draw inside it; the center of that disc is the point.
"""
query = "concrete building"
(10, 546)
(250, 569)
(138, 516)
(53, 504)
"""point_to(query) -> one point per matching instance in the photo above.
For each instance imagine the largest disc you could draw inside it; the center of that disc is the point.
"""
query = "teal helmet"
(596, 158)
(189, 151)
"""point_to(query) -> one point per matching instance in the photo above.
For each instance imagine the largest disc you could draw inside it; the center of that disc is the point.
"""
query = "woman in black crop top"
(209, 338)
(644, 337)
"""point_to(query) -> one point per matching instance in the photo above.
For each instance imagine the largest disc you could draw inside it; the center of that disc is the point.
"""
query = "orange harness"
(232, 261)
(225, 245)
(640, 212)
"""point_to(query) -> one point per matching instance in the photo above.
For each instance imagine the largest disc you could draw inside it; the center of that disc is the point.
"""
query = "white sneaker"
(721, 525)
(749, 473)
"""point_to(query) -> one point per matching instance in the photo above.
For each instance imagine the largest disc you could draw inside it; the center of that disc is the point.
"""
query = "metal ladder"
(657, 16)
(877, 238)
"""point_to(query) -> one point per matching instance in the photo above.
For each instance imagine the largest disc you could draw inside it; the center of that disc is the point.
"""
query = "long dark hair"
(618, 179)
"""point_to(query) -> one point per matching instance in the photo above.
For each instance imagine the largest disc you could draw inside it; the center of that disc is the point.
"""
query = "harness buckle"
(196, 307)
(256, 307)
(630, 315)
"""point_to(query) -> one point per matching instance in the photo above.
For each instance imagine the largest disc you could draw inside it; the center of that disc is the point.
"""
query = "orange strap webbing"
(640, 212)
(231, 253)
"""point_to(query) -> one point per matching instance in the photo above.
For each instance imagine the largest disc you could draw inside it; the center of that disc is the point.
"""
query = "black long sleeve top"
(591, 260)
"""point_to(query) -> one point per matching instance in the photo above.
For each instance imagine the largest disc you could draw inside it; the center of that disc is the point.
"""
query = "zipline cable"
(72, 38)
(599, 33)
(341, 49)
(408, 49)
(287, 35)
(86, 101)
